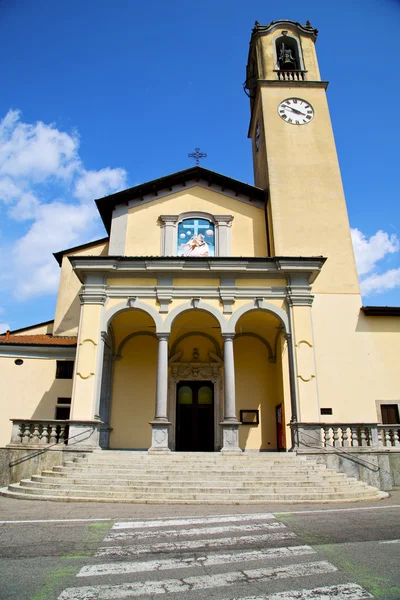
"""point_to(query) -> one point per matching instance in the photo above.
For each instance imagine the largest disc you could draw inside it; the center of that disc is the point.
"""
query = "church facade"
(217, 315)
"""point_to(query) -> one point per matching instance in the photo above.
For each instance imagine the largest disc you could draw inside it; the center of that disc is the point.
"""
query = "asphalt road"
(72, 551)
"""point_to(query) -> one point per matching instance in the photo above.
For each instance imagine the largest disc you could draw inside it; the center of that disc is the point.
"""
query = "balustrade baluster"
(336, 436)
(354, 437)
(61, 437)
(21, 429)
(35, 434)
(53, 434)
(325, 436)
(388, 437)
(396, 437)
(364, 439)
(27, 434)
(45, 435)
(345, 437)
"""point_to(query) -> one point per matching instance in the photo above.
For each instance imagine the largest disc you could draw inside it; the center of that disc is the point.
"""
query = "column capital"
(228, 336)
(162, 336)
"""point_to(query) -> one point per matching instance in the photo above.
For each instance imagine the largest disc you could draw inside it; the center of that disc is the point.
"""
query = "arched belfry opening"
(288, 54)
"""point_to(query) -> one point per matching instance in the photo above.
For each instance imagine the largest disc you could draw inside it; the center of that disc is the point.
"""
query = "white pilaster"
(230, 424)
(160, 425)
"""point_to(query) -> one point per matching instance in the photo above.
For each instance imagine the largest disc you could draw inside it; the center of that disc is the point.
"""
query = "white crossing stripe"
(168, 533)
(192, 521)
(184, 562)
(124, 551)
(347, 591)
(188, 584)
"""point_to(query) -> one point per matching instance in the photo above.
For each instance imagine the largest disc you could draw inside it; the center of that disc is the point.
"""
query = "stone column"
(160, 425)
(230, 424)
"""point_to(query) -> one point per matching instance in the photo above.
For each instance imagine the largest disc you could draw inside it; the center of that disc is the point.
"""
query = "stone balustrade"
(52, 432)
(345, 435)
(294, 75)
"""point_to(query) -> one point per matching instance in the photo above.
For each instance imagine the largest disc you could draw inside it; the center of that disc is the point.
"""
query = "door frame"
(195, 372)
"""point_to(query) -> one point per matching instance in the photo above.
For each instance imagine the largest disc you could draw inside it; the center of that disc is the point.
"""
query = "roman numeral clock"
(296, 111)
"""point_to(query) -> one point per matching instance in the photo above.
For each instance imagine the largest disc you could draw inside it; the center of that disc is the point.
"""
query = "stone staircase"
(192, 478)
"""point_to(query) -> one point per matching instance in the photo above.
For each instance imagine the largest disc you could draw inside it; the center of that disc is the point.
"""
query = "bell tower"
(294, 152)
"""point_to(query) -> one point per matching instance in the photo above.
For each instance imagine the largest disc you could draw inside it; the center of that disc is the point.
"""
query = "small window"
(390, 414)
(326, 411)
(63, 408)
(65, 369)
(196, 237)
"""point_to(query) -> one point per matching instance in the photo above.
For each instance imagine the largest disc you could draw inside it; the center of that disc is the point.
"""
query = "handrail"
(22, 459)
(375, 468)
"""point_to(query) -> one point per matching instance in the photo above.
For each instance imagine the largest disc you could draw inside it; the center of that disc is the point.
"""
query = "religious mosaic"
(196, 237)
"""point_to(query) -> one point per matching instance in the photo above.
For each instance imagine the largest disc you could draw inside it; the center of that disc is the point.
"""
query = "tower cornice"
(307, 29)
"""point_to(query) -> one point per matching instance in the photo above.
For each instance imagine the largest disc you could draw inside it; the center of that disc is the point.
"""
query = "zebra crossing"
(229, 557)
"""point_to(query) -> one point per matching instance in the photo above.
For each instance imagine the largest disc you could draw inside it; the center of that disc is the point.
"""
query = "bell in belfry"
(286, 59)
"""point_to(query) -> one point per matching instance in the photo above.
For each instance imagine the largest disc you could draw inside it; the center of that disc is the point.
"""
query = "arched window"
(196, 237)
(196, 234)
(288, 56)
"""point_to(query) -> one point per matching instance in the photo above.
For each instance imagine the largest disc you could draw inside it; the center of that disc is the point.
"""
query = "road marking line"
(189, 584)
(55, 521)
(329, 510)
(347, 591)
(184, 562)
(191, 521)
(123, 535)
(125, 551)
(390, 542)
(120, 551)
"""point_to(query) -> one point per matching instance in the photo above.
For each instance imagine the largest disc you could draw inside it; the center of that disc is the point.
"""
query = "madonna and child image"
(193, 243)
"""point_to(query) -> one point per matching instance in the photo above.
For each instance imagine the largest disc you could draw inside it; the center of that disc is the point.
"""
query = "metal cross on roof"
(197, 155)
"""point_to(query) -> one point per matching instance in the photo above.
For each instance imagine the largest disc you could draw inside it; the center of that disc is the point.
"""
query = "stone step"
(73, 477)
(188, 488)
(184, 496)
(192, 478)
(192, 469)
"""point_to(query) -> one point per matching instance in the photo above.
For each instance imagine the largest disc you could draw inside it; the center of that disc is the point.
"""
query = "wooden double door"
(195, 416)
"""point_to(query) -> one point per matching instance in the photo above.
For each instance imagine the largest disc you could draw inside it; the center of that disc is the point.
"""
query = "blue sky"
(100, 95)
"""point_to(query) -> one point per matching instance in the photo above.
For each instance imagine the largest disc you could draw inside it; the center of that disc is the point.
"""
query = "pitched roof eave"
(107, 204)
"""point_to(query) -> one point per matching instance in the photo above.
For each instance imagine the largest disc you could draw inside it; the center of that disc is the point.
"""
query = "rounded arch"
(293, 43)
(200, 333)
(131, 304)
(264, 306)
(129, 337)
(196, 214)
(194, 305)
(271, 356)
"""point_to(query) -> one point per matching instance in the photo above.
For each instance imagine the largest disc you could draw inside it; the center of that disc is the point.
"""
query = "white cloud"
(26, 207)
(96, 184)
(369, 251)
(4, 327)
(36, 152)
(376, 284)
(39, 167)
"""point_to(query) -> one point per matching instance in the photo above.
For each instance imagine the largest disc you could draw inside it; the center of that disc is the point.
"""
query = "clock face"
(296, 111)
(258, 133)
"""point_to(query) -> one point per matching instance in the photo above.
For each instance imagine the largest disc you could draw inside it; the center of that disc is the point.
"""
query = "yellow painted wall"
(268, 60)
(134, 281)
(29, 391)
(356, 358)
(83, 396)
(144, 231)
(133, 394)
(256, 388)
(192, 281)
(66, 318)
(308, 210)
(37, 329)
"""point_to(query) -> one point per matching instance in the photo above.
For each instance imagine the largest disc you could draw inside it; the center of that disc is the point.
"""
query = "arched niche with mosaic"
(196, 234)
